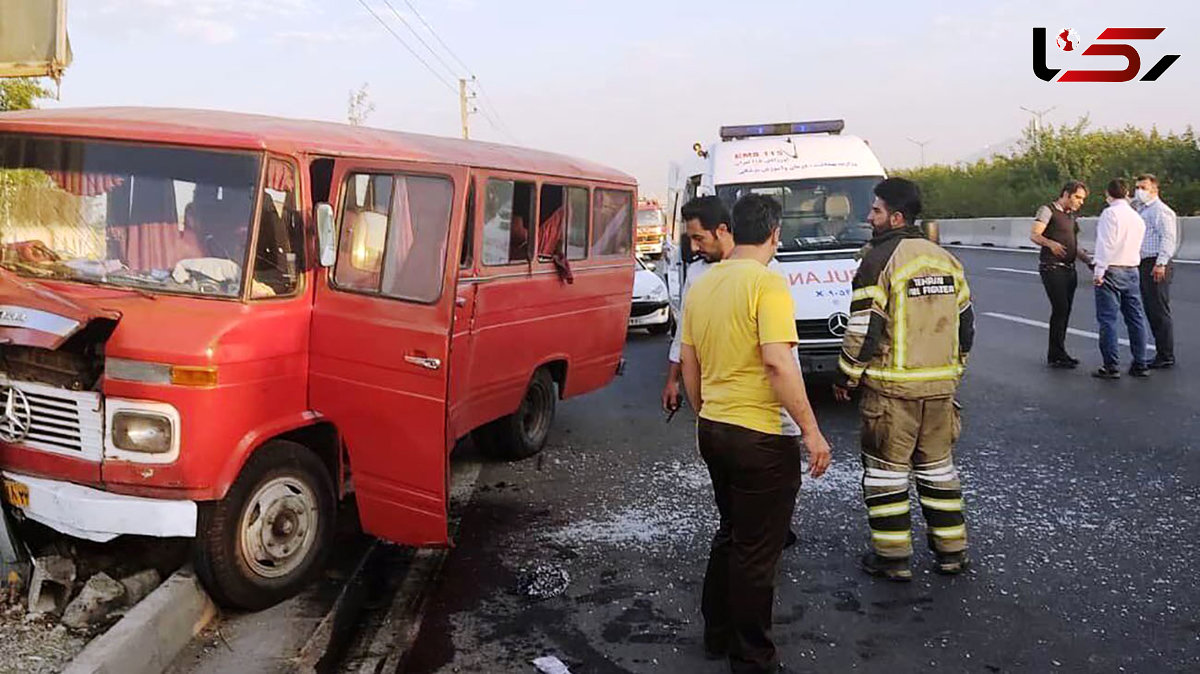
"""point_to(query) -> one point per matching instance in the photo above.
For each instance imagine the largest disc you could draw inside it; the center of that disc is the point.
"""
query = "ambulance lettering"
(829, 276)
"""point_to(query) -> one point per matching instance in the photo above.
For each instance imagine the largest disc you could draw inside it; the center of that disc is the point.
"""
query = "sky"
(634, 84)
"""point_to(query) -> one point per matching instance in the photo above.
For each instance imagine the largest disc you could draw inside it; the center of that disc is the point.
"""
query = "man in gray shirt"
(1055, 229)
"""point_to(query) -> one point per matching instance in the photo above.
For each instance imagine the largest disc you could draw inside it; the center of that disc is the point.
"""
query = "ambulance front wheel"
(267, 538)
(523, 433)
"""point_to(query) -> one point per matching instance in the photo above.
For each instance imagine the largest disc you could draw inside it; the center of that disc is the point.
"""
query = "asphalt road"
(1082, 499)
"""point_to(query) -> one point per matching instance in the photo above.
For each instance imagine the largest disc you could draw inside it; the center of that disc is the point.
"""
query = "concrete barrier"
(1014, 233)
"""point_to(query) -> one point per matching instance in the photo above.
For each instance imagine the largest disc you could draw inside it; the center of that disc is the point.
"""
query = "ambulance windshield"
(818, 214)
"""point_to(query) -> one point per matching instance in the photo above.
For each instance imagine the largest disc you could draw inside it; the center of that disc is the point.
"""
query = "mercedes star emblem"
(15, 415)
(838, 323)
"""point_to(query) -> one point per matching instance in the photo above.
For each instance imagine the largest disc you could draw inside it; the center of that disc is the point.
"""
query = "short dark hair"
(710, 211)
(1149, 177)
(1071, 187)
(1118, 189)
(755, 216)
(900, 196)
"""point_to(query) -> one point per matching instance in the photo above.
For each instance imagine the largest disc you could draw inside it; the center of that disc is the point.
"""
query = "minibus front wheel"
(523, 433)
(271, 533)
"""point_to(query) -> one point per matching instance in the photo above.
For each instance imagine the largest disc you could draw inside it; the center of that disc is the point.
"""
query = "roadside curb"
(147, 639)
(331, 637)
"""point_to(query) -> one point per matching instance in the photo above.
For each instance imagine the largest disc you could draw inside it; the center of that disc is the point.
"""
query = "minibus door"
(379, 362)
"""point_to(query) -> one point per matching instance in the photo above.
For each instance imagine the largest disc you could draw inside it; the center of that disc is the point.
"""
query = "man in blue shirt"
(1158, 247)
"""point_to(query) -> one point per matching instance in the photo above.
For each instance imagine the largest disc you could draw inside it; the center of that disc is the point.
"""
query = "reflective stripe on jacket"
(911, 322)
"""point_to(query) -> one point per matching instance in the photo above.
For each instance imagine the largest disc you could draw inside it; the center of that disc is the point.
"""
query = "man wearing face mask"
(1119, 233)
(1158, 247)
(740, 375)
(911, 327)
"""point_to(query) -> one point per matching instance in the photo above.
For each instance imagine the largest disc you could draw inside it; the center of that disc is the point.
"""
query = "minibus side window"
(468, 244)
(577, 223)
(551, 218)
(394, 234)
(508, 212)
(613, 218)
(279, 253)
(364, 232)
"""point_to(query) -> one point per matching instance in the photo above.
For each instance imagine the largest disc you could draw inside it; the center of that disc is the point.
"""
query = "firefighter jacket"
(911, 322)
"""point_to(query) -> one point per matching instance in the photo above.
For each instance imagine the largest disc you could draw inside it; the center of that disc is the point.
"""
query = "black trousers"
(1157, 298)
(755, 479)
(1060, 283)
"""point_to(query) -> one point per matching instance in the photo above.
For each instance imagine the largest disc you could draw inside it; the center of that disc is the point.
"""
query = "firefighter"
(911, 327)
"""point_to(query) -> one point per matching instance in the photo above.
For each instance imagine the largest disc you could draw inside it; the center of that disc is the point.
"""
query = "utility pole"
(462, 108)
(921, 144)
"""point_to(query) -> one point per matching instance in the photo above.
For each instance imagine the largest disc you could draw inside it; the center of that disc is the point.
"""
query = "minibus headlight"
(659, 293)
(142, 432)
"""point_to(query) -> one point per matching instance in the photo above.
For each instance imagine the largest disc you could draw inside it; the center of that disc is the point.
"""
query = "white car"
(651, 304)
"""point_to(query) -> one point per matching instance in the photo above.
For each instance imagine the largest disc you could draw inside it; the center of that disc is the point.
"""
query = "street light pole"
(1037, 122)
(921, 144)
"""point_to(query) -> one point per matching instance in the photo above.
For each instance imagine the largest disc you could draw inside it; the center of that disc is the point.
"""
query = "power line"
(494, 118)
(406, 46)
(499, 122)
(417, 35)
(439, 39)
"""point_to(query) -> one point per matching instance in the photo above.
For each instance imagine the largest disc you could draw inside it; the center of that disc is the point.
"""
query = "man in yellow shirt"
(741, 377)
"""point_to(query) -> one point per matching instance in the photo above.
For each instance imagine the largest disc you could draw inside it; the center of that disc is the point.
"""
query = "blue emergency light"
(833, 126)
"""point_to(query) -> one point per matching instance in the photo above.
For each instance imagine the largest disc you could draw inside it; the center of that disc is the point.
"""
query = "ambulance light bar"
(833, 126)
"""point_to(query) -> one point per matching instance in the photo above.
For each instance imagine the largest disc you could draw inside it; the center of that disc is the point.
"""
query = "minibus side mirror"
(326, 243)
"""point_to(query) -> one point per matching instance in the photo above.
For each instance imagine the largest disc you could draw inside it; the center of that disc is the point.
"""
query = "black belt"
(1056, 265)
(1122, 266)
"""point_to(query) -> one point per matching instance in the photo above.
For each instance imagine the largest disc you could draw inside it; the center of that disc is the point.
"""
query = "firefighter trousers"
(901, 437)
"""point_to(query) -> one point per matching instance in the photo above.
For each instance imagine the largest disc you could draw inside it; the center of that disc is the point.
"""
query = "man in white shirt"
(1119, 234)
(1158, 247)
(708, 230)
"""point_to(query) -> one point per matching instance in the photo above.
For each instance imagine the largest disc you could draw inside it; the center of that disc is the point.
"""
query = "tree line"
(1018, 183)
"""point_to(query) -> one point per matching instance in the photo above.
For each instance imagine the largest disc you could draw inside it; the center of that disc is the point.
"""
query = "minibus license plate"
(16, 493)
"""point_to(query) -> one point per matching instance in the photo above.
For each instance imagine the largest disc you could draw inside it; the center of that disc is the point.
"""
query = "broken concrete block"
(98, 598)
(50, 584)
(139, 585)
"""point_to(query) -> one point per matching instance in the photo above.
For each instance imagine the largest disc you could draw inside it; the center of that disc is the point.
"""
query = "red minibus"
(217, 325)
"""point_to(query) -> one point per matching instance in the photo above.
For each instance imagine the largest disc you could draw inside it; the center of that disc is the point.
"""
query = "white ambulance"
(824, 180)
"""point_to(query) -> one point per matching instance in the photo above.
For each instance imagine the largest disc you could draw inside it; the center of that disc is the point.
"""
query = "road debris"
(95, 603)
(544, 581)
(50, 585)
(549, 664)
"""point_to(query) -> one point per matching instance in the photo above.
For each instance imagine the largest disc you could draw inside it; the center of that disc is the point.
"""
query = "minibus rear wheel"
(266, 539)
(523, 433)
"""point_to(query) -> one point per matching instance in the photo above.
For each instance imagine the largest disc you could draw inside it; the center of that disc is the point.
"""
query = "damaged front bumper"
(97, 515)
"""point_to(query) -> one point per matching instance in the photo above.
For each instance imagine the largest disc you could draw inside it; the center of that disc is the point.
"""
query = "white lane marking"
(1014, 271)
(1046, 326)
(1031, 251)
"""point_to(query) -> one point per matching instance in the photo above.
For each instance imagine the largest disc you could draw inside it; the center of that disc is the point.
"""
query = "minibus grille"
(59, 421)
